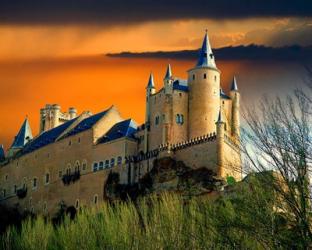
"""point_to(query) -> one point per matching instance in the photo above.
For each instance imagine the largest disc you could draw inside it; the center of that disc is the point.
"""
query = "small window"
(112, 163)
(6, 177)
(47, 178)
(215, 78)
(205, 76)
(95, 166)
(84, 165)
(60, 174)
(77, 204)
(119, 160)
(68, 171)
(24, 185)
(194, 77)
(3, 193)
(180, 94)
(157, 120)
(14, 189)
(177, 118)
(77, 166)
(107, 164)
(95, 199)
(35, 183)
(79, 140)
(101, 165)
(69, 143)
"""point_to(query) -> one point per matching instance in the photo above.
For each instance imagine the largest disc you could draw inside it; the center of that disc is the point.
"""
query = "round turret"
(204, 93)
(72, 112)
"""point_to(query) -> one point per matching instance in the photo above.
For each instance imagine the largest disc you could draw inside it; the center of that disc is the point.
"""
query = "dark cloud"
(250, 52)
(126, 11)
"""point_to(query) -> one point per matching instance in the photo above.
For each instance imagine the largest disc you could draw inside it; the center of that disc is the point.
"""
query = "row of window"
(106, 164)
(205, 77)
(179, 119)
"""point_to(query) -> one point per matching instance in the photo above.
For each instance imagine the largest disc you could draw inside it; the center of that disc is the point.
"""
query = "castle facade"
(69, 161)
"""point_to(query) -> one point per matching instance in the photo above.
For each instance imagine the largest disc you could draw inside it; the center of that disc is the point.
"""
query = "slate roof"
(234, 84)
(168, 72)
(223, 95)
(126, 128)
(23, 136)
(2, 154)
(180, 84)
(86, 124)
(206, 57)
(150, 84)
(46, 137)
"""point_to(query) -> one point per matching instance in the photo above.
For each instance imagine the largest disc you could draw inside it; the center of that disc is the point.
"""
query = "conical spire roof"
(23, 136)
(150, 84)
(234, 84)
(168, 73)
(220, 116)
(206, 57)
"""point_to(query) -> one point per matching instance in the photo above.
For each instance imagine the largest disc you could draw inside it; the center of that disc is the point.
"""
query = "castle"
(191, 120)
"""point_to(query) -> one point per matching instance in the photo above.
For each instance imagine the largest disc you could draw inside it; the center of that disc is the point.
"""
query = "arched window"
(177, 118)
(157, 120)
(101, 165)
(77, 166)
(119, 160)
(95, 166)
(68, 170)
(77, 204)
(205, 76)
(107, 164)
(112, 163)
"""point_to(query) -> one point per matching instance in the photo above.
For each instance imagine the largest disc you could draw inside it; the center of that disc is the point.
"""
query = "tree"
(278, 137)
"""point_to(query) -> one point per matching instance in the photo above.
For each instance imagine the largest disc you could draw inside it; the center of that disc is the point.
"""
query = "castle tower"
(72, 113)
(220, 127)
(235, 96)
(167, 108)
(204, 93)
(150, 90)
(168, 80)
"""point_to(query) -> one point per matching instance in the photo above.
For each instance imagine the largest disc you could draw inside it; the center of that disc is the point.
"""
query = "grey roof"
(24, 135)
(223, 95)
(220, 117)
(168, 72)
(180, 84)
(85, 124)
(206, 57)
(234, 84)
(2, 154)
(126, 128)
(150, 84)
(46, 137)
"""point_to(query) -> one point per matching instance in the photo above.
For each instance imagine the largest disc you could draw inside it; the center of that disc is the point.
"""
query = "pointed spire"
(23, 136)
(220, 117)
(234, 85)
(168, 73)
(206, 57)
(221, 92)
(150, 84)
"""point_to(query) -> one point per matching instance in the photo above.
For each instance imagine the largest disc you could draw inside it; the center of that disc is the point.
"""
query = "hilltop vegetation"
(239, 219)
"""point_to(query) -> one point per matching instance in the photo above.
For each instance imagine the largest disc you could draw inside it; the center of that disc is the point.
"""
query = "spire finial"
(220, 118)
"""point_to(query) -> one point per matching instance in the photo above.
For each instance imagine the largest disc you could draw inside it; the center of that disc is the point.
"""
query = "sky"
(55, 51)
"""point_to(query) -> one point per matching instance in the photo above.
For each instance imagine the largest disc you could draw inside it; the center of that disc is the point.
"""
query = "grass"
(165, 222)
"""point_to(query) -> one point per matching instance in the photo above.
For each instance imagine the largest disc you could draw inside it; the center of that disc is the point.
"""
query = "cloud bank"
(135, 11)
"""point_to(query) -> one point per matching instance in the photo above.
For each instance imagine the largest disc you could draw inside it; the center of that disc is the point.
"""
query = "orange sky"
(66, 64)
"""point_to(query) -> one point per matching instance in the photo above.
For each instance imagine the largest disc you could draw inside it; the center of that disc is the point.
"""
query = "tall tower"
(167, 108)
(150, 90)
(235, 96)
(204, 93)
